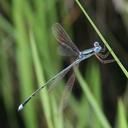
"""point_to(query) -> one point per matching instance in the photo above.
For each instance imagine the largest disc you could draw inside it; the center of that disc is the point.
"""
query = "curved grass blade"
(103, 39)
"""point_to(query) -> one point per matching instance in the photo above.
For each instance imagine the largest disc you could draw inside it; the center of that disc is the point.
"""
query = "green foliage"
(121, 117)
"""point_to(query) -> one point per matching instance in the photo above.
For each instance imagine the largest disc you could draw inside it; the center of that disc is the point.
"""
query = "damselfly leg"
(102, 56)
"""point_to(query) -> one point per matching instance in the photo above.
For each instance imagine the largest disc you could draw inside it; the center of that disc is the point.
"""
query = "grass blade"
(103, 39)
(92, 101)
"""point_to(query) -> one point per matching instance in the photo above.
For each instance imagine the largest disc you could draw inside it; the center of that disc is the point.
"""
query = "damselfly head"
(97, 47)
(96, 44)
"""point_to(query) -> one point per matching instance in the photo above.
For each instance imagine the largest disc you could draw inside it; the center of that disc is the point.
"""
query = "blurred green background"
(29, 57)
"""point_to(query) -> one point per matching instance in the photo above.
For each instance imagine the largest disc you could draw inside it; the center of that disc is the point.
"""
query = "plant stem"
(103, 39)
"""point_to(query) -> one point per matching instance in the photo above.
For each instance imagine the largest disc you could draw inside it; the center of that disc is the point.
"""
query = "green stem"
(90, 98)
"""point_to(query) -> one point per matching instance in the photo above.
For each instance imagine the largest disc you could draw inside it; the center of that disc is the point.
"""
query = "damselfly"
(68, 48)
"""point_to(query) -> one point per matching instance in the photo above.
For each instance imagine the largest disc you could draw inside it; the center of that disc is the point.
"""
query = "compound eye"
(97, 49)
(96, 44)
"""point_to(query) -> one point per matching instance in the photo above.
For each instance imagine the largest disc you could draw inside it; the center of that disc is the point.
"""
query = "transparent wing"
(65, 50)
(61, 76)
(67, 91)
(63, 38)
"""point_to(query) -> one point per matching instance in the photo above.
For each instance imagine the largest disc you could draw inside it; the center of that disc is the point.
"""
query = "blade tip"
(20, 107)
